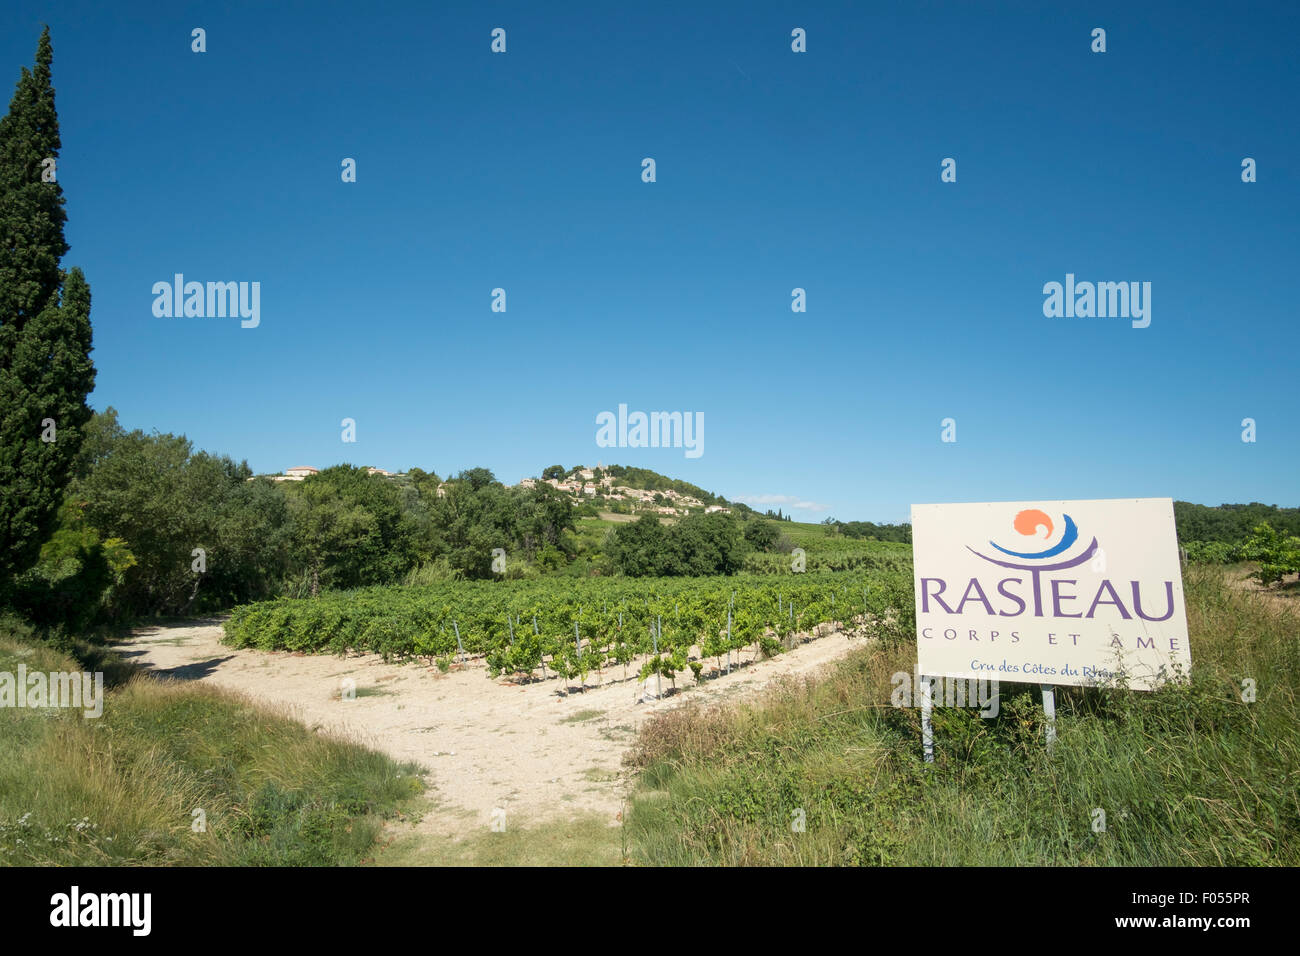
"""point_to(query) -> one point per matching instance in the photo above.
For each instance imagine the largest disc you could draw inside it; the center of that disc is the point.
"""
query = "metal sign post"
(1049, 711)
(927, 728)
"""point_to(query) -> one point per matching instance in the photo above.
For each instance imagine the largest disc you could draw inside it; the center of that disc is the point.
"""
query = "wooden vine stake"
(542, 656)
(578, 643)
(729, 638)
(659, 687)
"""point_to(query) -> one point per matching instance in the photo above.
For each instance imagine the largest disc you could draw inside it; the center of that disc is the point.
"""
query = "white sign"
(1050, 592)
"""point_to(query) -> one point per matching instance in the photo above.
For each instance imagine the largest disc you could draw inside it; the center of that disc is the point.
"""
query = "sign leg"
(1049, 711)
(927, 729)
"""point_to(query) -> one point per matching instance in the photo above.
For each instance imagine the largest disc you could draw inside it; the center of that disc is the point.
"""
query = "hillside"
(621, 490)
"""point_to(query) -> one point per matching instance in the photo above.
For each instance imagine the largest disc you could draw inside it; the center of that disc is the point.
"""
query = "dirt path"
(529, 750)
(1284, 595)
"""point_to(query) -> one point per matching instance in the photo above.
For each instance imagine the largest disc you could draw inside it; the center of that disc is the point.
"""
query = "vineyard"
(572, 627)
(835, 554)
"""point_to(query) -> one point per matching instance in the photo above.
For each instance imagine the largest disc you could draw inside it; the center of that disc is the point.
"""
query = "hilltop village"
(606, 489)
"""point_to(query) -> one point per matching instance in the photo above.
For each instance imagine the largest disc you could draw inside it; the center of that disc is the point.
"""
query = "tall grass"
(121, 789)
(1188, 775)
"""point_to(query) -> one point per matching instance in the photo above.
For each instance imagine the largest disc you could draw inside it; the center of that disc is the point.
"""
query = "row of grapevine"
(836, 554)
(575, 626)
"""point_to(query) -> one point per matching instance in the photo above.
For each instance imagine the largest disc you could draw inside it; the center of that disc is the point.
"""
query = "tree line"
(1231, 524)
(151, 526)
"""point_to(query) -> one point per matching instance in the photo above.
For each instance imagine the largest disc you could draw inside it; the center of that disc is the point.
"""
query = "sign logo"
(1012, 591)
(1028, 523)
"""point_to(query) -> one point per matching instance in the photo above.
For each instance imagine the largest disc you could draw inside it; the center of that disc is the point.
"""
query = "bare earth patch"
(530, 750)
(1285, 594)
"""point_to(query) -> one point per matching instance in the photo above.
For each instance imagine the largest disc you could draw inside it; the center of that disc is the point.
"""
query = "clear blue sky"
(775, 170)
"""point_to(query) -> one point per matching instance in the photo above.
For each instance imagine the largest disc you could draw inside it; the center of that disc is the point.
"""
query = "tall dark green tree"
(45, 339)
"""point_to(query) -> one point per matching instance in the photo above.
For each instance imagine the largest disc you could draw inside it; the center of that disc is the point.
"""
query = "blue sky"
(775, 170)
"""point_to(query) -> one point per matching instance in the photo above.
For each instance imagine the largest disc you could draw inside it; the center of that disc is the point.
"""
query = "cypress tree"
(45, 339)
